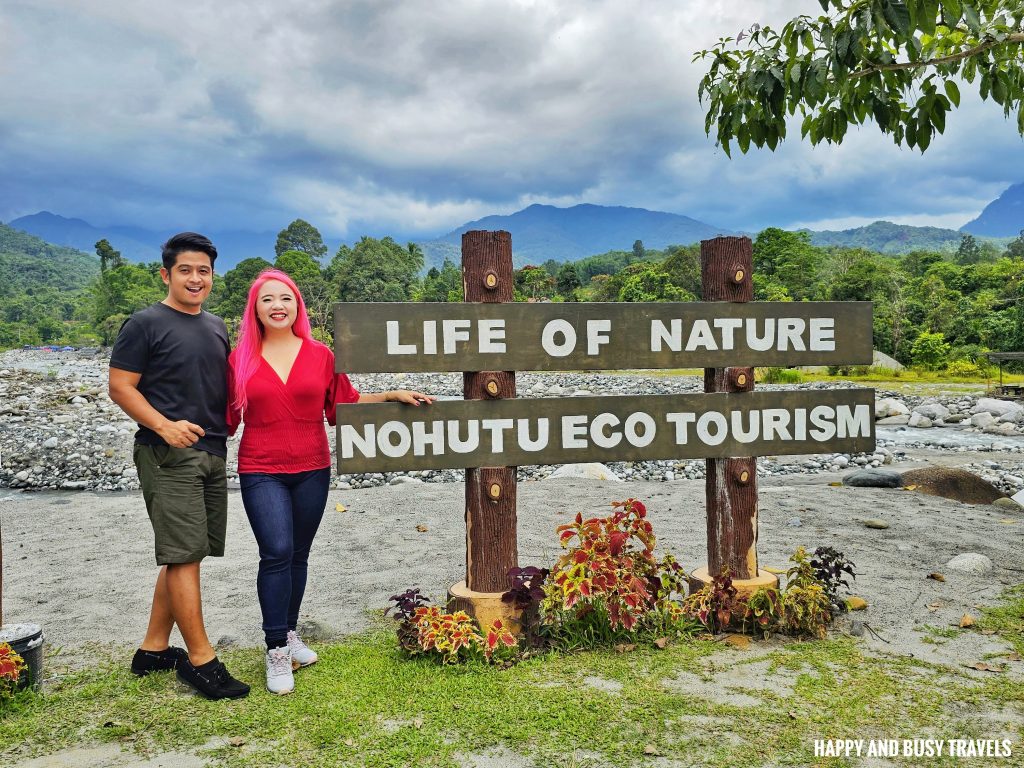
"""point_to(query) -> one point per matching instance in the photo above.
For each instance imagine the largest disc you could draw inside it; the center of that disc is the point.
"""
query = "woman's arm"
(408, 396)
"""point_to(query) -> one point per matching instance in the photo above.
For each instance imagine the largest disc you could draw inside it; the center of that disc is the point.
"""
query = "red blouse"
(284, 421)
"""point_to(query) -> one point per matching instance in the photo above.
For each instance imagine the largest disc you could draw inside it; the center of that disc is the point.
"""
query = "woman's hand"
(408, 396)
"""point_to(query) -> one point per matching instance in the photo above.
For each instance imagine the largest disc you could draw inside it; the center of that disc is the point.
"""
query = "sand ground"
(81, 564)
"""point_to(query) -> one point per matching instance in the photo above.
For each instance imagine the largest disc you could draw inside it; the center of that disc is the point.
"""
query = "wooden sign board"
(408, 337)
(391, 437)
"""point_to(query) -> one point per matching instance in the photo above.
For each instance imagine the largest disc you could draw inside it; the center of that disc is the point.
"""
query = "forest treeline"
(933, 310)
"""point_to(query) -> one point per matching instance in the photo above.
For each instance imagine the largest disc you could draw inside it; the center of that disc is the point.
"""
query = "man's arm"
(124, 390)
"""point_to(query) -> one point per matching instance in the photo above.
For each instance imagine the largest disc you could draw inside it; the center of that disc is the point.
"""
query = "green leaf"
(927, 16)
(972, 18)
(910, 135)
(953, 92)
(743, 139)
(999, 92)
(938, 113)
(897, 16)
(951, 12)
(824, 5)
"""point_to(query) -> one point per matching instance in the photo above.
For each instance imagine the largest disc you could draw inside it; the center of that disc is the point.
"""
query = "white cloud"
(375, 113)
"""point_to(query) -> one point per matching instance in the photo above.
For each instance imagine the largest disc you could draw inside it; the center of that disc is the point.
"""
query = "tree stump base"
(485, 607)
(744, 587)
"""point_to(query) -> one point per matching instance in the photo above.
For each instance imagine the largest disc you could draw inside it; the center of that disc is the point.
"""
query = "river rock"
(873, 478)
(982, 420)
(894, 420)
(971, 562)
(933, 411)
(592, 471)
(890, 406)
(919, 420)
(994, 406)
(1005, 428)
(1008, 504)
(952, 483)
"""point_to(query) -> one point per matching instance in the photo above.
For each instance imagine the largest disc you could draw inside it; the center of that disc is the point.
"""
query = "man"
(168, 372)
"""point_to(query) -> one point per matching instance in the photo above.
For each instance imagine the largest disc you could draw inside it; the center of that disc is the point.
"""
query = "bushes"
(608, 588)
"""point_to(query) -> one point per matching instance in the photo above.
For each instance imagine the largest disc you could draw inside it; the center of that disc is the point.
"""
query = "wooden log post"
(491, 544)
(731, 484)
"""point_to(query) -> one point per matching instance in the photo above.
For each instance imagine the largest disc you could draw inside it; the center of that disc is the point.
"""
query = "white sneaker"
(302, 655)
(279, 671)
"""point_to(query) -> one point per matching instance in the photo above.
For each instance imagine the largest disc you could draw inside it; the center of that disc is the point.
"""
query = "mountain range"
(543, 232)
(1003, 217)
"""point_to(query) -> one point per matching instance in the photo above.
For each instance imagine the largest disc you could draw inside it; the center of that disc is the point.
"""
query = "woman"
(282, 383)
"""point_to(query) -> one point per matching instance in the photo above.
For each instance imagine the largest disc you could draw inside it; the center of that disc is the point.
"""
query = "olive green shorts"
(186, 496)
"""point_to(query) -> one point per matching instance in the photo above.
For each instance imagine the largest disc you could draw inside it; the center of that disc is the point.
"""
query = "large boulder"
(893, 421)
(982, 419)
(882, 360)
(1005, 429)
(995, 407)
(593, 471)
(933, 411)
(873, 478)
(952, 483)
(890, 406)
(919, 420)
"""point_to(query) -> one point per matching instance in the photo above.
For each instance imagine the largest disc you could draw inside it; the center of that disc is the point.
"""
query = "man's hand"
(180, 434)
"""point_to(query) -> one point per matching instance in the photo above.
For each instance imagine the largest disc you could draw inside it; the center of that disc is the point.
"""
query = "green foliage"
(897, 63)
(109, 258)
(647, 282)
(807, 609)
(300, 236)
(1015, 248)
(930, 351)
(964, 369)
(122, 290)
(534, 282)
(775, 375)
(375, 270)
(567, 281)
(232, 298)
(443, 284)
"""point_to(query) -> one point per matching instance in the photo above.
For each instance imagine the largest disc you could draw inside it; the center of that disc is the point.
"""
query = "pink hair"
(249, 350)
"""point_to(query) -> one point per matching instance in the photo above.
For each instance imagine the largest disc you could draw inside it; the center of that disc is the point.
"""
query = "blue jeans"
(284, 511)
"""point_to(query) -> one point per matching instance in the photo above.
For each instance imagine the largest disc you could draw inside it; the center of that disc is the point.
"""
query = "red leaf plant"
(609, 560)
(11, 667)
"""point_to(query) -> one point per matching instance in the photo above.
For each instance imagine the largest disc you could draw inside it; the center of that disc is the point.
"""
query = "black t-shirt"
(183, 360)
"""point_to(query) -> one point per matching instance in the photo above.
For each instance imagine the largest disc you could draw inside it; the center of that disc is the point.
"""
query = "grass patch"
(365, 704)
(1007, 618)
(937, 635)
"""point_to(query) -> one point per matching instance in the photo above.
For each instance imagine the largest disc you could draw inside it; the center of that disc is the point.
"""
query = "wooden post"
(726, 266)
(491, 545)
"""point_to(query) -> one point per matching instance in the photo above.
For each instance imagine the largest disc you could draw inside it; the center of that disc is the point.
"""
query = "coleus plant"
(831, 568)
(713, 604)
(11, 667)
(608, 560)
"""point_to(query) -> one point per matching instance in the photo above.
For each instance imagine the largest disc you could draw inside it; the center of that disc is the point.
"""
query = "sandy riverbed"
(81, 564)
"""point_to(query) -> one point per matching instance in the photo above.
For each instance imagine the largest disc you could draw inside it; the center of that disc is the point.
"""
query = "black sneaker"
(212, 679)
(145, 662)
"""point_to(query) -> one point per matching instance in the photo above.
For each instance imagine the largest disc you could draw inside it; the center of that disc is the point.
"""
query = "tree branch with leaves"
(897, 63)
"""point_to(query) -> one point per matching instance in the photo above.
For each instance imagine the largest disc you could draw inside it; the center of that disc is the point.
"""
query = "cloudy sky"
(402, 116)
